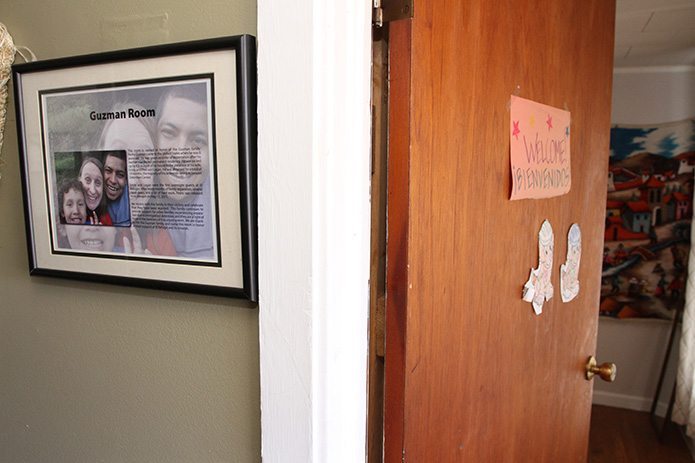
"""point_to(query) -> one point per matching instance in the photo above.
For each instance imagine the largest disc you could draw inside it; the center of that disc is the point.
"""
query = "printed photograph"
(131, 169)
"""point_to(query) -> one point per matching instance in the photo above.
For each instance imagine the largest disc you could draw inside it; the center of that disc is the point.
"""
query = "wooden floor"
(619, 435)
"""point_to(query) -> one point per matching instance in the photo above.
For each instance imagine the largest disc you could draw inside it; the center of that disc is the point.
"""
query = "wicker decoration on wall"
(7, 54)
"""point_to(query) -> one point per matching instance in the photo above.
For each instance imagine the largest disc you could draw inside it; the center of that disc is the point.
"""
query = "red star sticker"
(549, 122)
(516, 131)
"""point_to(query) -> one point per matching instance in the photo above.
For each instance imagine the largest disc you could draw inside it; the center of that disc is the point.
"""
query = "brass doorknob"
(606, 371)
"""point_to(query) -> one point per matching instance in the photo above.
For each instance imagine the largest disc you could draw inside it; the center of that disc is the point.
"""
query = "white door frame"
(314, 59)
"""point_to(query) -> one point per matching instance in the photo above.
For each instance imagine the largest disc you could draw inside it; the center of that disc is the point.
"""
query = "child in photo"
(71, 202)
(98, 238)
(90, 238)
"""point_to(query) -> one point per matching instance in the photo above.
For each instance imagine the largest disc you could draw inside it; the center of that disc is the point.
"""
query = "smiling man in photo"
(183, 165)
(116, 187)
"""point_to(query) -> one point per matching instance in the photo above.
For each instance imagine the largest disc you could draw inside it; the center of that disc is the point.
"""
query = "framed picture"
(139, 166)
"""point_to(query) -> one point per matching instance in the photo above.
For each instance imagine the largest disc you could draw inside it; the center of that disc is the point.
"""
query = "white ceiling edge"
(683, 57)
(654, 69)
(654, 33)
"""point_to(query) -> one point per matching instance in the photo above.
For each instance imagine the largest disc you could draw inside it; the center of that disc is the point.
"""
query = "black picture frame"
(172, 131)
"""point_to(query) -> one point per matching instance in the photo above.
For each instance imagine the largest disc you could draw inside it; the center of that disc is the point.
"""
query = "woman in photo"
(128, 170)
(129, 195)
(91, 176)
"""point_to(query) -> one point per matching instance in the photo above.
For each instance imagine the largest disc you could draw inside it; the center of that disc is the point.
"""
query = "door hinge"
(384, 11)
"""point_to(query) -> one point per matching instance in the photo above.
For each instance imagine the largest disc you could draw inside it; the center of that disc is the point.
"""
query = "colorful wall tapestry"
(648, 216)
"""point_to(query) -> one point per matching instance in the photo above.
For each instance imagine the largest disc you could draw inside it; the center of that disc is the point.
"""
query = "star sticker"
(549, 121)
(516, 131)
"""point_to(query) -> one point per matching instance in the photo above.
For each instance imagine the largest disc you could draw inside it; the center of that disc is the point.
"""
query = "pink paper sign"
(539, 139)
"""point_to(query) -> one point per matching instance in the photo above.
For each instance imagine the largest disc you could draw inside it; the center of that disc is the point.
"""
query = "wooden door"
(472, 374)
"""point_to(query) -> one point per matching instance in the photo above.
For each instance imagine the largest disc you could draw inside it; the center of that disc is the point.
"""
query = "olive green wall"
(100, 373)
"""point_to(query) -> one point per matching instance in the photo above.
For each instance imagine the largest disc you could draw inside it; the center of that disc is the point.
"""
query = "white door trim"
(313, 178)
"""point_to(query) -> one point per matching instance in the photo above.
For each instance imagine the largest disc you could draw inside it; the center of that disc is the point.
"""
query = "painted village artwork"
(648, 217)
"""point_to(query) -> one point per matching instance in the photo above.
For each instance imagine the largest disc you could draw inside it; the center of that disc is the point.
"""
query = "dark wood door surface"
(472, 374)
